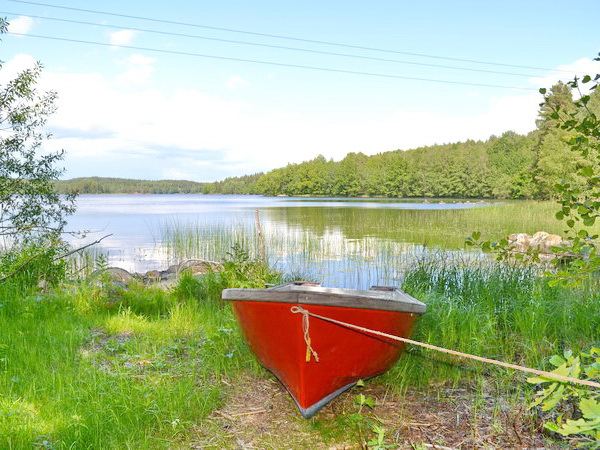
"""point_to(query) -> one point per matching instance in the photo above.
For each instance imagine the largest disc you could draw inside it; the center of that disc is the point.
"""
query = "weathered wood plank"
(388, 300)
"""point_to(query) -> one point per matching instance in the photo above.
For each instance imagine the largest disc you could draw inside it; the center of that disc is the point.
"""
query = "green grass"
(88, 366)
(91, 365)
(496, 310)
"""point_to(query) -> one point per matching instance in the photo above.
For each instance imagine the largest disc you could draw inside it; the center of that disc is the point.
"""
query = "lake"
(340, 241)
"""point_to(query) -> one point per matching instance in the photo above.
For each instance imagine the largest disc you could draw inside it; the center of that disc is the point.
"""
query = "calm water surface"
(137, 222)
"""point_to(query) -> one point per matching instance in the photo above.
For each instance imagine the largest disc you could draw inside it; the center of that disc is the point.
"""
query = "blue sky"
(146, 113)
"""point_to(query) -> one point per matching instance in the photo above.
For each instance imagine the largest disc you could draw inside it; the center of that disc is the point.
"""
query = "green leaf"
(587, 171)
(590, 408)
(586, 79)
(539, 380)
(557, 361)
(580, 426)
(370, 402)
(543, 91)
(476, 235)
(552, 427)
(360, 399)
(554, 399)
(560, 215)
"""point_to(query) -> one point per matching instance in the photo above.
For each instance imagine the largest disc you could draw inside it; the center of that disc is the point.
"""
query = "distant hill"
(99, 185)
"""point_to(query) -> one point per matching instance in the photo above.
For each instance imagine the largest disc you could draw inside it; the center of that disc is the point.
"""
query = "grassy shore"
(92, 364)
(93, 367)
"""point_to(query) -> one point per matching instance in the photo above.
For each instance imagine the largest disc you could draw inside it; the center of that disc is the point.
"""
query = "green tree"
(580, 202)
(510, 159)
(550, 151)
(31, 212)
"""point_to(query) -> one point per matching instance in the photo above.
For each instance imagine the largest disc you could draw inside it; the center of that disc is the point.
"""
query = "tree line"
(510, 166)
(99, 185)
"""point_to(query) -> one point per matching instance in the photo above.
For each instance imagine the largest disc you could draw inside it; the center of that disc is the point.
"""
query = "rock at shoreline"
(544, 242)
(115, 274)
(541, 242)
(166, 278)
(196, 267)
(519, 242)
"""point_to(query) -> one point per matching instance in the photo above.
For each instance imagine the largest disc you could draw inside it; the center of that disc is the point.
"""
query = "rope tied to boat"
(305, 327)
(306, 314)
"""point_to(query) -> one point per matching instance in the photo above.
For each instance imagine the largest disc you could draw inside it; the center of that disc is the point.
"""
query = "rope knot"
(305, 327)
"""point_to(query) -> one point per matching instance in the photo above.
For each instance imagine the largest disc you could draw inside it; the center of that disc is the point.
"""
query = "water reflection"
(346, 242)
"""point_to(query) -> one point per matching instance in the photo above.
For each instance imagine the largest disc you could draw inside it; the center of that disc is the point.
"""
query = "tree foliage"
(579, 198)
(29, 206)
(101, 185)
(510, 166)
(32, 214)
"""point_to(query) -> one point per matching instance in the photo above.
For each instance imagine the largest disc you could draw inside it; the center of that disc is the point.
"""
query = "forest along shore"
(510, 166)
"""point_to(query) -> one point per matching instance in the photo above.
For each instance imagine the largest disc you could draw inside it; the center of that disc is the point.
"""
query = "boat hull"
(276, 336)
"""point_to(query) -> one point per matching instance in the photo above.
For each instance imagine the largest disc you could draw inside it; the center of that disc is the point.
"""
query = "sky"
(203, 90)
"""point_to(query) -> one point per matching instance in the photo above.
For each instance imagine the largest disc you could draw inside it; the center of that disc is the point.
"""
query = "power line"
(280, 47)
(272, 63)
(291, 38)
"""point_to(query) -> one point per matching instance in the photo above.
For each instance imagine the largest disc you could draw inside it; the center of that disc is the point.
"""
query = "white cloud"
(122, 37)
(176, 174)
(235, 81)
(139, 70)
(567, 72)
(20, 25)
(144, 132)
(19, 63)
(138, 59)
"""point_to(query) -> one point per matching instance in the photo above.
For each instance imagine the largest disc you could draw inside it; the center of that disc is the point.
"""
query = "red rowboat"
(317, 360)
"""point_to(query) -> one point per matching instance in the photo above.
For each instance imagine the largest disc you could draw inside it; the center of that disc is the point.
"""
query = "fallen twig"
(64, 255)
(249, 413)
(438, 446)
(225, 415)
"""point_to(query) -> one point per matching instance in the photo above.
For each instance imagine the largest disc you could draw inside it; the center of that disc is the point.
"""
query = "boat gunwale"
(392, 300)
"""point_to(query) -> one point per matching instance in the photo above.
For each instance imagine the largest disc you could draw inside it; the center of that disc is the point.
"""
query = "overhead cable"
(279, 47)
(277, 36)
(272, 63)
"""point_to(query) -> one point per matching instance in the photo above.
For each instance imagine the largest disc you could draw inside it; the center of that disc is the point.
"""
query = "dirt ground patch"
(259, 414)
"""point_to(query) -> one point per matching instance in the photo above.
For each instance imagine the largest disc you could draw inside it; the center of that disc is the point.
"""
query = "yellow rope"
(306, 313)
(305, 327)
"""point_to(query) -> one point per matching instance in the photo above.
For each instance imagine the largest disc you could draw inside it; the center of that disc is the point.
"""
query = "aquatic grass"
(496, 310)
(357, 248)
(475, 304)
(332, 259)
